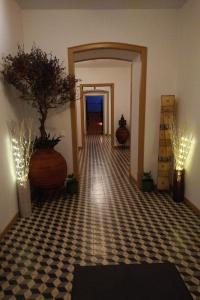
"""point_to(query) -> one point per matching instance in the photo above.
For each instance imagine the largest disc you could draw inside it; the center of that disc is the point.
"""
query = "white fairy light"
(22, 149)
(181, 145)
(184, 150)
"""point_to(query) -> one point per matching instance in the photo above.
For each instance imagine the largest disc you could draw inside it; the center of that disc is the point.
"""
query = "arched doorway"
(125, 48)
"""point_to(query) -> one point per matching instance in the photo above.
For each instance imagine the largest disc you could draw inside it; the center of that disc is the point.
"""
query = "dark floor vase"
(122, 133)
(178, 185)
(48, 169)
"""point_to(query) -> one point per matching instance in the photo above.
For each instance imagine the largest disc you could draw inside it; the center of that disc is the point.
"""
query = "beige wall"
(11, 108)
(189, 91)
(120, 76)
(56, 30)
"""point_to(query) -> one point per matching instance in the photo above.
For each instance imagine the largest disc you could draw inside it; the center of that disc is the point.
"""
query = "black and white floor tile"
(108, 222)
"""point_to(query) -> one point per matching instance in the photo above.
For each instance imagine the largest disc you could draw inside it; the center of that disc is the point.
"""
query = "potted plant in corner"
(147, 182)
(72, 184)
(42, 82)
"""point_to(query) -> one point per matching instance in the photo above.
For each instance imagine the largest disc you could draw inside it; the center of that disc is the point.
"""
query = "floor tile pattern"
(108, 222)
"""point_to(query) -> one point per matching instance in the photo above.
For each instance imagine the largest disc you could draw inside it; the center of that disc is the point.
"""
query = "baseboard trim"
(14, 219)
(122, 147)
(192, 206)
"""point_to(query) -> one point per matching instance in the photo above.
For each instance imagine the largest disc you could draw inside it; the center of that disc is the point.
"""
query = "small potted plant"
(147, 182)
(72, 184)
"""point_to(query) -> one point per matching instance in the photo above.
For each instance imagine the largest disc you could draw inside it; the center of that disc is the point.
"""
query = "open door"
(94, 114)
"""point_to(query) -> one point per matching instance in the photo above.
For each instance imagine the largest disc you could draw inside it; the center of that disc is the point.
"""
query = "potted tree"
(41, 80)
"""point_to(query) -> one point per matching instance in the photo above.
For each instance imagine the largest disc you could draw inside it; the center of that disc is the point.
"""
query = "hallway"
(109, 222)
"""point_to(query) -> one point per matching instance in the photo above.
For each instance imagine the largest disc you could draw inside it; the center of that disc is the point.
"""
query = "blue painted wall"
(94, 103)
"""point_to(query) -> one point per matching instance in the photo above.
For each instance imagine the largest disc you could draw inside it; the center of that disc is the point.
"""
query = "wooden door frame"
(142, 51)
(83, 109)
(82, 93)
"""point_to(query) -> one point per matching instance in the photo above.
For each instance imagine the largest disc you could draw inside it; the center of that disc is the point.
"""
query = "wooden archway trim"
(142, 97)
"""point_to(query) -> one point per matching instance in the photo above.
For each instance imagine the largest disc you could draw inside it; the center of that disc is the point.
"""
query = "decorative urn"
(122, 133)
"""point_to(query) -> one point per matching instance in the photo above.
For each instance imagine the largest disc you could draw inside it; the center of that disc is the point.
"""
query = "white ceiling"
(103, 63)
(100, 4)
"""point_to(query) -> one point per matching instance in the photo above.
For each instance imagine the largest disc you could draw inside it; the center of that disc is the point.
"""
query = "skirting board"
(193, 207)
(124, 147)
(14, 219)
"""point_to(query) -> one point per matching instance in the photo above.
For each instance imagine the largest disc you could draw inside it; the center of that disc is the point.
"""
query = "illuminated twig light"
(181, 144)
(22, 146)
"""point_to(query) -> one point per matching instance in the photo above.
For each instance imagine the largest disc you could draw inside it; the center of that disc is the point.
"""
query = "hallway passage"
(109, 222)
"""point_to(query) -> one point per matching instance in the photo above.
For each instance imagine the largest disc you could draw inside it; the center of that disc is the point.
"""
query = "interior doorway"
(106, 90)
(126, 52)
(94, 106)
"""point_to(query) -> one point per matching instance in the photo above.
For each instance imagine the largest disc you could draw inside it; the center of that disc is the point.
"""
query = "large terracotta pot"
(48, 169)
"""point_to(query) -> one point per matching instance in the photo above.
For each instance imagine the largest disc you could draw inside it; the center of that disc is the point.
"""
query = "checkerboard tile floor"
(108, 222)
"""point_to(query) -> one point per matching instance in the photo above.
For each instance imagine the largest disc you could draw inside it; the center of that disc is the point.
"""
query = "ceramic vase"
(178, 185)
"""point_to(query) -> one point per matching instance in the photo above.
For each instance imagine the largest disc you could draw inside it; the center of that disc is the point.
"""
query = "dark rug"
(129, 282)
